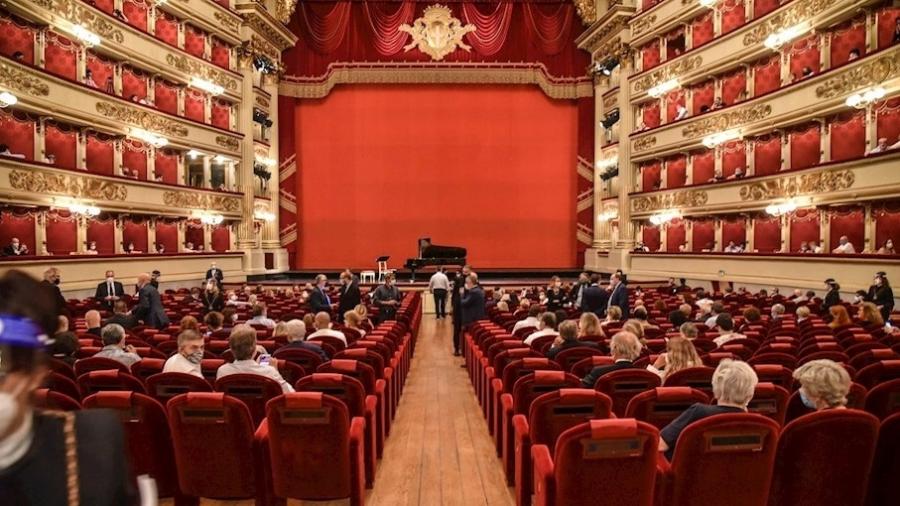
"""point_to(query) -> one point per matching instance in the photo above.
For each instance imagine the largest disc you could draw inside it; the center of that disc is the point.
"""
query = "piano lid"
(428, 250)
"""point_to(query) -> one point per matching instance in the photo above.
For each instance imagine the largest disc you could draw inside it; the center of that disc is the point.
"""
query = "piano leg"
(412, 276)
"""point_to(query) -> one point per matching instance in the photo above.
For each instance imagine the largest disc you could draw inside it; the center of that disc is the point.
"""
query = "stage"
(487, 277)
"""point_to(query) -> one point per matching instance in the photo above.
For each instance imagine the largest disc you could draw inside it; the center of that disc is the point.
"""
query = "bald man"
(149, 307)
(92, 319)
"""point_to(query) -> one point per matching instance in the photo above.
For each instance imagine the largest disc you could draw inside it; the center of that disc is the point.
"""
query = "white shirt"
(817, 249)
(439, 281)
(328, 332)
(263, 320)
(177, 363)
(724, 338)
(711, 321)
(531, 321)
(540, 333)
(250, 366)
(845, 248)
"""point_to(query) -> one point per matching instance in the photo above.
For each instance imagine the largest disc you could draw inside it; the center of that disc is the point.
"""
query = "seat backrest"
(367, 356)
(856, 398)
(570, 356)
(622, 385)
(659, 406)
(309, 446)
(353, 368)
(869, 376)
(339, 386)
(770, 401)
(787, 360)
(165, 385)
(62, 384)
(147, 437)
(86, 365)
(528, 388)
(775, 374)
(733, 448)
(44, 398)
(96, 381)
(332, 341)
(694, 377)
(553, 413)
(524, 366)
(506, 357)
(252, 389)
(610, 459)
(884, 400)
(202, 426)
(886, 466)
(833, 447)
(147, 367)
(307, 359)
(587, 364)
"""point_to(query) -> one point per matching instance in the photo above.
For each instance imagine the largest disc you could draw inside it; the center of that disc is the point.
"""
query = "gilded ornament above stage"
(437, 33)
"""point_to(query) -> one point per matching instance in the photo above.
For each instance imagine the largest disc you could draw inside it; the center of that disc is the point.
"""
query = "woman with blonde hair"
(613, 314)
(635, 327)
(824, 384)
(680, 354)
(589, 325)
(839, 317)
(280, 330)
(869, 315)
(363, 313)
(352, 319)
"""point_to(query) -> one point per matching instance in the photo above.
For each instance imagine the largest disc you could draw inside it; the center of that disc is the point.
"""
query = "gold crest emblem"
(437, 33)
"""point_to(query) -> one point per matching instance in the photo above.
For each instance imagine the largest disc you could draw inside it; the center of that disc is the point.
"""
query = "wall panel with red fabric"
(887, 223)
(734, 230)
(18, 223)
(767, 234)
(62, 233)
(221, 238)
(703, 235)
(17, 131)
(167, 235)
(848, 221)
(100, 153)
(703, 165)
(804, 225)
(676, 171)
(102, 230)
(193, 233)
(17, 36)
(676, 235)
(134, 231)
(651, 237)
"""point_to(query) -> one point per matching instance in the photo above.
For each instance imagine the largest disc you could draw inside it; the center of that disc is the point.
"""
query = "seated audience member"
(322, 323)
(532, 320)
(680, 354)
(641, 316)
(634, 326)
(752, 317)
(686, 308)
(681, 112)
(589, 325)
(624, 348)
(804, 248)
(613, 314)
(824, 384)
(888, 248)
(705, 310)
(161, 248)
(725, 325)
(114, 346)
(352, 320)
(677, 318)
(229, 317)
(777, 314)
(568, 338)
(242, 343)
(853, 54)
(844, 246)
(92, 249)
(502, 306)
(733, 248)
(896, 38)
(860, 296)
(121, 317)
(718, 103)
(546, 327)
(869, 315)
(214, 321)
(63, 347)
(688, 331)
(733, 385)
(189, 356)
(363, 313)
(92, 319)
(839, 317)
(641, 248)
(881, 147)
(4, 151)
(738, 174)
(49, 159)
(15, 248)
(716, 309)
(295, 331)
(260, 316)
(189, 323)
(816, 247)
(802, 314)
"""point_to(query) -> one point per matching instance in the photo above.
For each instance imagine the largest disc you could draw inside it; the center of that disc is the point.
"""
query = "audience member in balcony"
(641, 248)
(18, 56)
(110, 86)
(63, 347)
(839, 317)
(725, 326)
(732, 248)
(816, 247)
(568, 338)
(624, 348)
(15, 248)
(882, 295)
(260, 316)
(802, 313)
(738, 174)
(824, 384)
(295, 331)
(545, 327)
(640, 127)
(681, 112)
(242, 343)
(189, 356)
(718, 103)
(212, 297)
(4, 151)
(532, 320)
(854, 54)
(91, 249)
(880, 147)
(201, 248)
(92, 320)
(189, 247)
(845, 247)
(680, 354)
(89, 79)
(149, 307)
(114, 347)
(733, 383)
(49, 159)
(322, 324)
(121, 317)
(804, 248)
(888, 248)
(896, 39)
(120, 15)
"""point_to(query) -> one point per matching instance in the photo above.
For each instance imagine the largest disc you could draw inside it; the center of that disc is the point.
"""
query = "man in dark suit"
(154, 279)
(51, 280)
(121, 317)
(472, 306)
(594, 298)
(109, 291)
(568, 332)
(149, 307)
(624, 348)
(350, 297)
(318, 298)
(215, 273)
(576, 293)
(618, 296)
(459, 289)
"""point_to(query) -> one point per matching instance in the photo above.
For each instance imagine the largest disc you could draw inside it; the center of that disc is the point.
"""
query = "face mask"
(233, 298)
(57, 281)
(857, 299)
(195, 357)
(234, 317)
(110, 279)
(807, 401)
(9, 411)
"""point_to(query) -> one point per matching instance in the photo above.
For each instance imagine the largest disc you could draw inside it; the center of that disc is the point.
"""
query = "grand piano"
(432, 254)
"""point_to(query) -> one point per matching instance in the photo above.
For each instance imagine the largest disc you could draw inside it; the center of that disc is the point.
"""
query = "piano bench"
(367, 277)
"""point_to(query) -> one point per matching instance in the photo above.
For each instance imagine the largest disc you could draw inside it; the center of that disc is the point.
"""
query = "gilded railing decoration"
(799, 12)
(144, 119)
(80, 14)
(16, 80)
(644, 143)
(284, 9)
(229, 143)
(33, 181)
(642, 24)
(586, 10)
(666, 73)
(803, 184)
(227, 21)
(727, 120)
(867, 74)
(195, 200)
(615, 25)
(682, 199)
(188, 66)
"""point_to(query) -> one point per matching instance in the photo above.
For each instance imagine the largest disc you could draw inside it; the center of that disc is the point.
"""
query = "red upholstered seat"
(610, 459)
(147, 367)
(770, 401)
(886, 466)
(825, 458)
(96, 381)
(62, 384)
(585, 365)
(774, 358)
(775, 374)
(661, 405)
(58, 366)
(624, 384)
(694, 377)
(332, 341)
(569, 357)
(164, 386)
(366, 375)
(315, 448)
(856, 398)
(254, 390)
(509, 374)
(213, 442)
(44, 398)
(719, 455)
(307, 359)
(86, 365)
(879, 372)
(884, 400)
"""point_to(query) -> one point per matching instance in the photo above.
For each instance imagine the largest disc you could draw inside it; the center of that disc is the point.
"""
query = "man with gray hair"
(625, 348)
(295, 331)
(114, 347)
(777, 313)
(318, 298)
(149, 307)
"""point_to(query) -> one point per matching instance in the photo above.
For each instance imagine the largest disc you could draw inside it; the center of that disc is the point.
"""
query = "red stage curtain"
(763, 7)
(324, 25)
(385, 24)
(849, 221)
(650, 114)
(136, 12)
(221, 238)
(100, 151)
(767, 155)
(221, 114)
(767, 234)
(134, 83)
(17, 132)
(887, 21)
(733, 85)
(18, 223)
(887, 223)
(806, 147)
(650, 175)
(549, 24)
(166, 27)
(17, 36)
(848, 136)
(888, 119)
(221, 53)
(804, 227)
(134, 230)
(703, 95)
(167, 235)
(703, 235)
(62, 233)
(651, 237)
(194, 40)
(166, 165)
(102, 71)
(849, 35)
(134, 158)
(61, 141)
(673, 100)
(733, 16)
(194, 105)
(702, 30)
(767, 75)
(193, 233)
(60, 56)
(650, 55)
(102, 230)
(734, 231)
(106, 6)
(676, 235)
(676, 171)
(734, 156)
(704, 165)
(804, 53)
(165, 96)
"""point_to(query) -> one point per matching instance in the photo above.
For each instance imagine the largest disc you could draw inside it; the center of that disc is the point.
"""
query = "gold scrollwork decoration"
(642, 24)
(614, 25)
(144, 119)
(679, 68)
(262, 101)
(229, 143)
(197, 69)
(644, 143)
(80, 13)
(284, 9)
(802, 184)
(227, 21)
(798, 12)
(727, 120)
(860, 76)
(33, 181)
(196, 200)
(17, 80)
(610, 102)
(676, 200)
(437, 33)
(587, 11)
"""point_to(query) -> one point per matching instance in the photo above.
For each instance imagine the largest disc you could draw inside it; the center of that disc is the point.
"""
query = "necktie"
(327, 299)
(109, 289)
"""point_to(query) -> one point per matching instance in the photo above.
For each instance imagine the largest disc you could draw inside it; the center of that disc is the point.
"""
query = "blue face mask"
(807, 401)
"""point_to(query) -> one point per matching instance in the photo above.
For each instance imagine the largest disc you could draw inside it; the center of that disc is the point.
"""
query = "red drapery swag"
(702, 29)
(704, 165)
(18, 224)
(650, 56)
(194, 40)
(134, 230)
(100, 150)
(767, 75)
(734, 231)
(703, 235)
(166, 27)
(221, 238)
(887, 223)
(734, 87)
(17, 36)
(767, 155)
(17, 132)
(194, 105)
(703, 95)
(194, 234)
(650, 114)
(106, 6)
(61, 141)
(849, 221)
(221, 114)
(60, 55)
(134, 83)
(804, 55)
(767, 235)
(763, 7)
(733, 16)
(676, 235)
(848, 136)
(134, 158)
(165, 96)
(673, 100)
(167, 235)
(136, 12)
(804, 225)
(220, 53)
(101, 71)
(166, 165)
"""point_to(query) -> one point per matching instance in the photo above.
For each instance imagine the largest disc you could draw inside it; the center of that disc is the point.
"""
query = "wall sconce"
(87, 37)
(783, 208)
(663, 88)
(193, 154)
(864, 99)
(264, 160)
(608, 216)
(207, 86)
(7, 99)
(781, 37)
(83, 209)
(708, 3)
(665, 216)
(720, 138)
(211, 218)
(608, 162)
(263, 215)
(148, 137)
(221, 159)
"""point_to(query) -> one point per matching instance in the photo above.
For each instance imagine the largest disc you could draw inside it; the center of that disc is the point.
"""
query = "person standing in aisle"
(439, 286)
(459, 289)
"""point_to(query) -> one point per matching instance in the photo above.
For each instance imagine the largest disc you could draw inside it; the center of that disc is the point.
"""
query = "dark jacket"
(556, 299)
(350, 298)
(212, 301)
(472, 304)
(594, 299)
(589, 380)
(302, 345)
(318, 301)
(218, 275)
(619, 297)
(459, 282)
(103, 292)
(126, 321)
(884, 297)
(832, 298)
(60, 300)
(552, 352)
(150, 308)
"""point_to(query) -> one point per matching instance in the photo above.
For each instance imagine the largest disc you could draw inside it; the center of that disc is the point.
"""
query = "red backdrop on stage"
(489, 168)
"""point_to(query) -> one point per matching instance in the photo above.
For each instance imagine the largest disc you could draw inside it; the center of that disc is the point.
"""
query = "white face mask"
(110, 279)
(233, 298)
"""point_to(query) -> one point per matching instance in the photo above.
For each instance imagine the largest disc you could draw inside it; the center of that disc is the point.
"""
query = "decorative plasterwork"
(262, 101)
(16, 80)
(610, 102)
(675, 200)
(229, 143)
(284, 9)
(860, 76)
(681, 67)
(727, 120)
(188, 66)
(587, 11)
(282, 38)
(643, 144)
(642, 24)
(615, 25)
(79, 13)
(437, 33)
(227, 21)
(195, 200)
(144, 119)
(803, 184)
(38, 182)
(798, 12)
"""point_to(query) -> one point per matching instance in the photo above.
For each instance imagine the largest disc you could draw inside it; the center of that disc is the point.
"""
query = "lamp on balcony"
(665, 216)
(210, 218)
(610, 215)
(720, 138)
(782, 208)
(207, 86)
(782, 37)
(864, 99)
(663, 88)
(148, 137)
(82, 209)
(7, 99)
(87, 37)
(708, 3)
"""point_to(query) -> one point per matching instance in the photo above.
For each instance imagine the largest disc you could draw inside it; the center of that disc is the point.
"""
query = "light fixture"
(87, 37)
(781, 37)
(211, 218)
(207, 86)
(663, 88)
(863, 99)
(7, 99)
(221, 159)
(264, 160)
(263, 215)
(665, 216)
(149, 137)
(83, 209)
(608, 162)
(708, 3)
(193, 154)
(783, 208)
(610, 215)
(721, 138)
